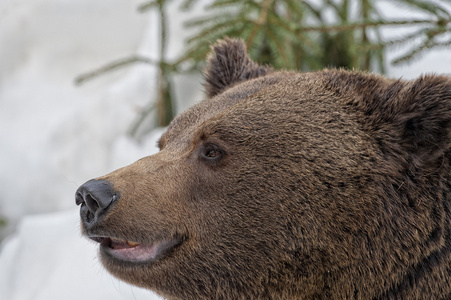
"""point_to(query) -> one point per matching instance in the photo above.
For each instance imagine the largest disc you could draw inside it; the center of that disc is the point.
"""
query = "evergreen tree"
(293, 34)
(310, 35)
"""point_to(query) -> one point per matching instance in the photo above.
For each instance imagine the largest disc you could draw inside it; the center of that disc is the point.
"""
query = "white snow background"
(54, 135)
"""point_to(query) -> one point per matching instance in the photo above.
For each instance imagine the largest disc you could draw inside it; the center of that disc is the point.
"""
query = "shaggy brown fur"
(286, 185)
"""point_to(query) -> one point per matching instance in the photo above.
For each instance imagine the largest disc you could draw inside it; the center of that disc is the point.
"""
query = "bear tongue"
(134, 252)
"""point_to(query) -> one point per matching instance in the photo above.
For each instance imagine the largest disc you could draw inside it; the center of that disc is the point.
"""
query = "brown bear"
(285, 185)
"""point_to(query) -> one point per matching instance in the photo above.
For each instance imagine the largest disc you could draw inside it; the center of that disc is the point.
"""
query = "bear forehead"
(184, 126)
(283, 98)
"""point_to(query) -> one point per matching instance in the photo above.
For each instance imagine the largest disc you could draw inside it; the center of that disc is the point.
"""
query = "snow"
(46, 121)
(61, 265)
(54, 135)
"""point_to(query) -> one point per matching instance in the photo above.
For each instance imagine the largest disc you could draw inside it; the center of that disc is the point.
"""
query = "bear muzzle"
(96, 198)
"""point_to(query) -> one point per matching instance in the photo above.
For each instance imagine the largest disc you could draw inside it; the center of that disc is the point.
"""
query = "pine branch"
(133, 130)
(296, 7)
(148, 5)
(416, 52)
(278, 48)
(261, 21)
(233, 3)
(113, 66)
(429, 6)
(211, 20)
(314, 11)
(187, 4)
(359, 25)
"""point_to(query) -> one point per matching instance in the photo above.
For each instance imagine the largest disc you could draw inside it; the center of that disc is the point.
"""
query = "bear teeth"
(118, 242)
(132, 244)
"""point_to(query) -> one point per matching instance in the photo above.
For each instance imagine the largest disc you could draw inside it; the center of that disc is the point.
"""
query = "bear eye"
(211, 152)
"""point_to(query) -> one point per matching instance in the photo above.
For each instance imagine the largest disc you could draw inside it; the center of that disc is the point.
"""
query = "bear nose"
(96, 198)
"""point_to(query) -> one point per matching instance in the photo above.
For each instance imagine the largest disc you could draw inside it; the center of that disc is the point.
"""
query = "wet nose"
(95, 198)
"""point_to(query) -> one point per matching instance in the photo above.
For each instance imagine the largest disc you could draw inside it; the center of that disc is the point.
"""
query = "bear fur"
(285, 185)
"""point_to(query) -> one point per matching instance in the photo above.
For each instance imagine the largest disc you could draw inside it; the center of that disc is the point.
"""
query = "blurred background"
(88, 86)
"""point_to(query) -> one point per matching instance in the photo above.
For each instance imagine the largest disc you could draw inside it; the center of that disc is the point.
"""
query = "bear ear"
(228, 64)
(422, 119)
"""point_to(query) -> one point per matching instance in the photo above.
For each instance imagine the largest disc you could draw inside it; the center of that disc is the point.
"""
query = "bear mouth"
(135, 252)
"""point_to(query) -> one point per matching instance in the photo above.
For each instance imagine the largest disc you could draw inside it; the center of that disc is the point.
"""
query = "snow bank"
(48, 260)
(54, 135)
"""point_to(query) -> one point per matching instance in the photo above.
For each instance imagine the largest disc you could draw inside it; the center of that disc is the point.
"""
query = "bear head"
(285, 185)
